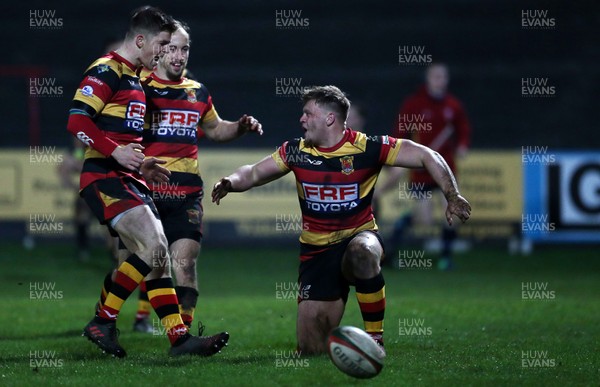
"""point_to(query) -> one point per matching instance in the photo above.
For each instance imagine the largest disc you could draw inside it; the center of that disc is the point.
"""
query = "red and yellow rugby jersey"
(112, 96)
(335, 185)
(171, 132)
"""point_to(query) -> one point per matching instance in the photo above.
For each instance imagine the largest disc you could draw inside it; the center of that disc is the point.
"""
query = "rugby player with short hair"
(176, 109)
(336, 169)
(107, 114)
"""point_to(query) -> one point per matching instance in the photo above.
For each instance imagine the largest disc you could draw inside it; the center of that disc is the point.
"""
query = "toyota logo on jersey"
(168, 123)
(331, 198)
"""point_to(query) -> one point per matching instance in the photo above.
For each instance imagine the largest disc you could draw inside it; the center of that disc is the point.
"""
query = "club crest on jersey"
(191, 95)
(347, 164)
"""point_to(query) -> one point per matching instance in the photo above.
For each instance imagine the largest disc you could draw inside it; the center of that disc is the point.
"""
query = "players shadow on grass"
(49, 335)
(148, 359)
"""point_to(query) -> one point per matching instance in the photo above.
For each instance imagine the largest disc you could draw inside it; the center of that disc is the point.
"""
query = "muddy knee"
(362, 257)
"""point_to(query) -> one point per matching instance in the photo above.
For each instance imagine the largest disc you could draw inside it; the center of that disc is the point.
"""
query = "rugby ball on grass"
(354, 352)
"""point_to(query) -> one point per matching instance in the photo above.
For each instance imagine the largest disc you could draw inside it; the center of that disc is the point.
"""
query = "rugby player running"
(177, 107)
(107, 114)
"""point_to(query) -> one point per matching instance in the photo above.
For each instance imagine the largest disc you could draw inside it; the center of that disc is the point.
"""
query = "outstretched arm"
(413, 155)
(220, 130)
(246, 177)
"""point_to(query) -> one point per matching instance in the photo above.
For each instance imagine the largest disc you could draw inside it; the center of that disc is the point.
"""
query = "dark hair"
(329, 96)
(183, 25)
(150, 20)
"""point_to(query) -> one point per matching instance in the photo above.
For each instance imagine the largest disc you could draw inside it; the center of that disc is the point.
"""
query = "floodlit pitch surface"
(496, 320)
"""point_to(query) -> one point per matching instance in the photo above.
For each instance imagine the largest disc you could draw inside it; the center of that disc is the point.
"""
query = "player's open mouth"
(176, 66)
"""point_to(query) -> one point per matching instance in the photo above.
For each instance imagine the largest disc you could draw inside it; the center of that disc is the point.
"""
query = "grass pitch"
(473, 326)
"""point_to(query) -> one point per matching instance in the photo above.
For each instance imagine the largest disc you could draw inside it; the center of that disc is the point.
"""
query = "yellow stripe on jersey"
(144, 72)
(174, 164)
(323, 239)
(185, 84)
(91, 153)
(91, 100)
(367, 186)
(114, 110)
(359, 146)
(210, 115)
(280, 163)
(393, 153)
(177, 164)
(115, 66)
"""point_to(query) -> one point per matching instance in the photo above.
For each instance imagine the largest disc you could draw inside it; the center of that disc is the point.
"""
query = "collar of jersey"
(123, 60)
(337, 146)
(165, 81)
